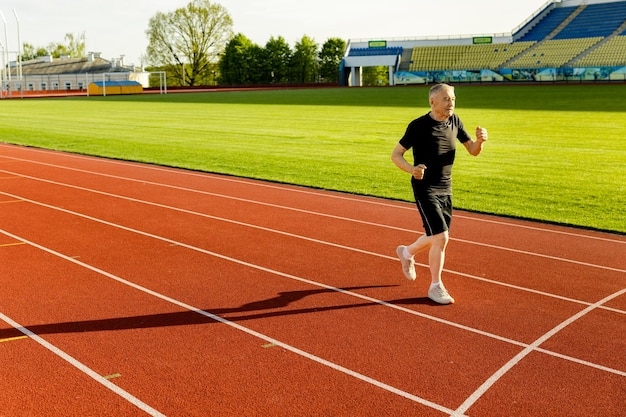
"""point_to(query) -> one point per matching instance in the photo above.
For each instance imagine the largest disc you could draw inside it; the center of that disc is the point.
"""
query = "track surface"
(129, 289)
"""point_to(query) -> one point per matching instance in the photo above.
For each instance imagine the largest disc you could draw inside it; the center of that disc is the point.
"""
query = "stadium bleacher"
(375, 51)
(611, 53)
(575, 29)
(553, 53)
(547, 25)
(465, 57)
(595, 20)
(563, 34)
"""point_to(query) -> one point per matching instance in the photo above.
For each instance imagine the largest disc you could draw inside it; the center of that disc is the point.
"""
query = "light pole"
(2, 69)
(19, 48)
(6, 42)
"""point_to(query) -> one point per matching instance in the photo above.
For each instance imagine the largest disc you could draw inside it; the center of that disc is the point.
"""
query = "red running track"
(130, 289)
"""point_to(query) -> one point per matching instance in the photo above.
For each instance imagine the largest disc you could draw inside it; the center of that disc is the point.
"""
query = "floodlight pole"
(19, 48)
(2, 70)
(6, 42)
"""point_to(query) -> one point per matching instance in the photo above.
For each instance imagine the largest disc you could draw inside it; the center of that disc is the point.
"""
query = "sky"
(117, 27)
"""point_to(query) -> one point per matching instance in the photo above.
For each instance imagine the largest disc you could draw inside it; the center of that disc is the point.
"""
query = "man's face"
(442, 103)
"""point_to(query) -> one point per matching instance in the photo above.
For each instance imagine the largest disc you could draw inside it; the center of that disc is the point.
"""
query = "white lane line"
(195, 191)
(545, 230)
(270, 271)
(587, 264)
(540, 255)
(343, 246)
(214, 317)
(294, 189)
(82, 367)
(507, 224)
(471, 400)
(314, 283)
(281, 233)
(336, 245)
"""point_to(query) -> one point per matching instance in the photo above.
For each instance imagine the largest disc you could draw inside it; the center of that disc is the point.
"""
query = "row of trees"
(244, 62)
(195, 45)
(74, 45)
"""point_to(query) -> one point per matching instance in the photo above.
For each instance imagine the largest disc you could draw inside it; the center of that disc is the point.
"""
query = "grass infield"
(555, 153)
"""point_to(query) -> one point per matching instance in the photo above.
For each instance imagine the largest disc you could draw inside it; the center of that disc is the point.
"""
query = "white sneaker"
(408, 264)
(440, 295)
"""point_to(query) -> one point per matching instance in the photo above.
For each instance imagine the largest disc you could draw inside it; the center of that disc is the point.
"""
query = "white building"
(48, 75)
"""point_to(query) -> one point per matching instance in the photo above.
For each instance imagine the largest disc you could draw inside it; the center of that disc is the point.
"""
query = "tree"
(188, 41)
(244, 62)
(257, 70)
(375, 76)
(330, 58)
(304, 66)
(74, 46)
(235, 62)
(29, 51)
(277, 55)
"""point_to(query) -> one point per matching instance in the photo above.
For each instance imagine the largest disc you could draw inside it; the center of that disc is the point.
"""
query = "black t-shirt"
(434, 145)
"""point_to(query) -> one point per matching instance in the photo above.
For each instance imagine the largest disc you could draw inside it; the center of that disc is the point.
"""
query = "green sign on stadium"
(482, 39)
(377, 44)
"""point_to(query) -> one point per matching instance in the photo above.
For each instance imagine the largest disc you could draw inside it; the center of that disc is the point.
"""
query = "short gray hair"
(438, 87)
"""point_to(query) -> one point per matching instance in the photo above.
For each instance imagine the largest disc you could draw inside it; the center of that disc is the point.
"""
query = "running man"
(433, 140)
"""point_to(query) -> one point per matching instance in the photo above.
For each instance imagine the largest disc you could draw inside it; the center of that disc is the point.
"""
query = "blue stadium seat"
(375, 51)
(546, 25)
(595, 20)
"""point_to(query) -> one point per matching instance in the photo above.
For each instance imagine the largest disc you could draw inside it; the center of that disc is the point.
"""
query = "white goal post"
(162, 80)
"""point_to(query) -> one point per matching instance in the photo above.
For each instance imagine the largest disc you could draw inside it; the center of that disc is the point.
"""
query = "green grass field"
(556, 153)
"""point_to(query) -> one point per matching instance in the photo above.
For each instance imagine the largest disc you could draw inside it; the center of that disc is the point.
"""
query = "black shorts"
(436, 212)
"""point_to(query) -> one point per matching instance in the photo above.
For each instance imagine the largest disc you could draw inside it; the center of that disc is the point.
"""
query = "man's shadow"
(271, 307)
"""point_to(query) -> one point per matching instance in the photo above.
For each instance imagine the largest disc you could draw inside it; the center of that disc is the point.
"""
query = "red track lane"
(202, 295)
